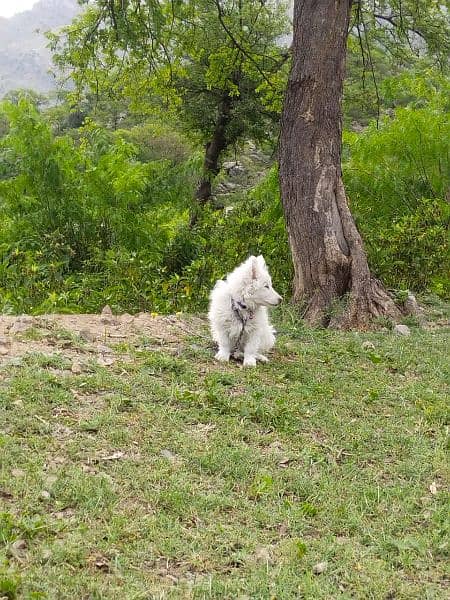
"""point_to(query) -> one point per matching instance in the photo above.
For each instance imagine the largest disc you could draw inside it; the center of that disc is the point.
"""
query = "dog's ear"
(261, 261)
(254, 265)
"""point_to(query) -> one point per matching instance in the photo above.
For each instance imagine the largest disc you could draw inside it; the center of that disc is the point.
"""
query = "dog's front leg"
(224, 348)
(251, 352)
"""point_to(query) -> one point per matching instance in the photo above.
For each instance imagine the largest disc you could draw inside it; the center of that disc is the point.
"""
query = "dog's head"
(252, 282)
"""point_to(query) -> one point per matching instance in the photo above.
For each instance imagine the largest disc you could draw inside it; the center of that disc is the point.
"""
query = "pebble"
(22, 323)
(107, 317)
(87, 335)
(76, 368)
(320, 567)
(402, 329)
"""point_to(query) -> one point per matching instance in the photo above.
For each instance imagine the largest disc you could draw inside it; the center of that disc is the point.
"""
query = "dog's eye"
(267, 286)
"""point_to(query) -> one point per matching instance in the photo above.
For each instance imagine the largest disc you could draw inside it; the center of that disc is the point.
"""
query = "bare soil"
(77, 335)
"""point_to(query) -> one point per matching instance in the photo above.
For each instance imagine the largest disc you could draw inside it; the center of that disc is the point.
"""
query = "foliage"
(389, 38)
(156, 140)
(406, 29)
(182, 57)
(397, 178)
(221, 240)
(95, 217)
(413, 251)
(74, 213)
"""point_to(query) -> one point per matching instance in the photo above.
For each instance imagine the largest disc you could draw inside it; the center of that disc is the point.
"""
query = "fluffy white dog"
(238, 312)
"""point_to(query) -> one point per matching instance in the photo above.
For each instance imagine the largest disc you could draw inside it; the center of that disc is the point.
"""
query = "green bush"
(85, 222)
(254, 224)
(398, 179)
(82, 222)
(412, 252)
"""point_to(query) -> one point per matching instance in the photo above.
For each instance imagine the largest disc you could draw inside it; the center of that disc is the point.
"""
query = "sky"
(8, 8)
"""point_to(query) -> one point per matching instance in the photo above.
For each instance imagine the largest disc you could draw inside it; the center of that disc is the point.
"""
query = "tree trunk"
(327, 251)
(214, 149)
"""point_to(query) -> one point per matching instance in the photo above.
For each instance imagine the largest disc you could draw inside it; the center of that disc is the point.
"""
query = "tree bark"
(327, 250)
(214, 149)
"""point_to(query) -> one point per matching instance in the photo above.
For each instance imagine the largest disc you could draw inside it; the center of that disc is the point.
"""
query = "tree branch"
(238, 45)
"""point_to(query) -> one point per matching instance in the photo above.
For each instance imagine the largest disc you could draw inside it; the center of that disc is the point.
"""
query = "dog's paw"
(222, 356)
(262, 358)
(249, 361)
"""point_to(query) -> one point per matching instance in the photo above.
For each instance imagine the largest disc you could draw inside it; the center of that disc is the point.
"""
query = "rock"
(368, 345)
(19, 545)
(45, 554)
(104, 349)
(402, 329)
(263, 554)
(21, 324)
(107, 317)
(105, 361)
(5, 346)
(76, 368)
(126, 318)
(230, 186)
(234, 168)
(45, 495)
(355, 126)
(320, 567)
(411, 306)
(170, 456)
(87, 335)
(18, 549)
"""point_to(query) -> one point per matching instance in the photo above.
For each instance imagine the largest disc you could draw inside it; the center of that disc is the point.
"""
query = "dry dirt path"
(78, 336)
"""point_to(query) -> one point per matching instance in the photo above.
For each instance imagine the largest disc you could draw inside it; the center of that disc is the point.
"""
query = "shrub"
(82, 222)
(412, 251)
(397, 178)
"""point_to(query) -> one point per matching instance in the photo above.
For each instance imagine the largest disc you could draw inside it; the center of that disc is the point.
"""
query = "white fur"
(251, 285)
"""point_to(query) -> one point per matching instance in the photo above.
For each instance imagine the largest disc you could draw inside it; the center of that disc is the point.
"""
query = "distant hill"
(24, 57)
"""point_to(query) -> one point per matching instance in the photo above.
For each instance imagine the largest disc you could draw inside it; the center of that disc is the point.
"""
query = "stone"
(5, 346)
(402, 329)
(76, 368)
(320, 567)
(18, 549)
(264, 554)
(21, 324)
(105, 361)
(87, 335)
(234, 168)
(107, 317)
(126, 318)
(104, 349)
(411, 306)
(368, 345)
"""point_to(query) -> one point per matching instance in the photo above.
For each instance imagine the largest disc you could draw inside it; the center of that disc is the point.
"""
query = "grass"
(169, 476)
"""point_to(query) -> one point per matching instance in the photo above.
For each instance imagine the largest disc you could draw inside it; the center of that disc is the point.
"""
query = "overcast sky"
(11, 7)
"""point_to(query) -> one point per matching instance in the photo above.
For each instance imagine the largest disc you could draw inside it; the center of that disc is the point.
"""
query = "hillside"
(24, 57)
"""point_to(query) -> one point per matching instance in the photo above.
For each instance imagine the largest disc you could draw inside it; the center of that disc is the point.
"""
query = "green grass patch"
(320, 475)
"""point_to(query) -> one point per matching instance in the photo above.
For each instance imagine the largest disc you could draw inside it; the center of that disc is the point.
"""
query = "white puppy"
(238, 312)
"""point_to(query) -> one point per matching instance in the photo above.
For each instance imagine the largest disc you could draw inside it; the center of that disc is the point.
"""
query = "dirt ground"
(91, 334)
(86, 336)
